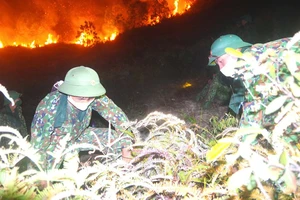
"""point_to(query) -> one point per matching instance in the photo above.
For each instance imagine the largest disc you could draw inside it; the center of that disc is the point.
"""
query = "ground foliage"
(175, 160)
(199, 165)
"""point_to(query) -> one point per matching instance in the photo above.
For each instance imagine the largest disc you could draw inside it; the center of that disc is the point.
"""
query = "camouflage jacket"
(49, 120)
(263, 79)
(216, 91)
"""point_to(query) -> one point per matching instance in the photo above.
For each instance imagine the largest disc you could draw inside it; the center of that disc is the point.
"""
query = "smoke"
(28, 20)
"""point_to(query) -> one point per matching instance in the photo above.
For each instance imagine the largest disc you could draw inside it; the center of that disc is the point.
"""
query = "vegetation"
(87, 34)
(174, 161)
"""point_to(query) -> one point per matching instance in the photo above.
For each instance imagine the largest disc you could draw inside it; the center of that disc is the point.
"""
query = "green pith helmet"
(14, 95)
(218, 47)
(83, 82)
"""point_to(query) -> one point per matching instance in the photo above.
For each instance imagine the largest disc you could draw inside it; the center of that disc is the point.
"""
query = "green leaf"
(274, 172)
(184, 176)
(129, 133)
(248, 139)
(272, 71)
(295, 89)
(217, 150)
(276, 104)
(251, 185)
(290, 61)
(233, 52)
(260, 168)
(239, 178)
(283, 112)
(283, 159)
(290, 182)
(297, 75)
(248, 131)
(3, 175)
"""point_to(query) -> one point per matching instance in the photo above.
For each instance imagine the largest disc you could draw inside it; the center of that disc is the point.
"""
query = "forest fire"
(41, 23)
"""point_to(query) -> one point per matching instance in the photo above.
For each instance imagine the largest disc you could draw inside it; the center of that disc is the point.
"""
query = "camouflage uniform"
(252, 108)
(217, 90)
(13, 119)
(55, 117)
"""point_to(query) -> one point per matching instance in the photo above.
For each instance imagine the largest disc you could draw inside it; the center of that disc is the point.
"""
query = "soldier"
(69, 110)
(247, 95)
(221, 83)
(12, 115)
(216, 91)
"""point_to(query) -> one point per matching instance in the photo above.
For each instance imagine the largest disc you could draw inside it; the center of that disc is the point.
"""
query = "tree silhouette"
(87, 34)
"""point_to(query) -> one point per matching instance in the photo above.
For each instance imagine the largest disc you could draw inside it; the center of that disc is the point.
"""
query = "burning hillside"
(38, 23)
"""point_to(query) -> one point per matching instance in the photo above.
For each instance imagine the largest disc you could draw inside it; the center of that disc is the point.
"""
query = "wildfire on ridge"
(77, 22)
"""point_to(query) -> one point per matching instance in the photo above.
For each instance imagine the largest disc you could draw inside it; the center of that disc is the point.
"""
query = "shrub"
(265, 160)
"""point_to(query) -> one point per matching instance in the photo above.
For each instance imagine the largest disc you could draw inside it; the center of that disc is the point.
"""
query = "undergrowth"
(174, 160)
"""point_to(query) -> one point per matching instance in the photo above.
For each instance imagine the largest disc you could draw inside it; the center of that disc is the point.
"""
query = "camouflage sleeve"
(42, 123)
(214, 90)
(110, 111)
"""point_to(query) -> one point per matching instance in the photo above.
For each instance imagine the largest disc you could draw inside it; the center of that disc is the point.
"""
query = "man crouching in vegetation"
(68, 110)
(218, 57)
(263, 69)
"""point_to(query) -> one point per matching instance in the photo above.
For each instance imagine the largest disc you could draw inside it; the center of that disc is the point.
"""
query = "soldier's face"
(222, 60)
(226, 64)
(82, 99)
(82, 103)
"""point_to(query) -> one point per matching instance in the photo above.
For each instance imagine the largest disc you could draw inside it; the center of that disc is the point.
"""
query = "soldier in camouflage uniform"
(12, 116)
(217, 90)
(68, 110)
(215, 58)
(250, 95)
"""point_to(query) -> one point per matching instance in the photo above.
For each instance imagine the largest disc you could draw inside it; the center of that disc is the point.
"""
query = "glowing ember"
(39, 23)
(186, 85)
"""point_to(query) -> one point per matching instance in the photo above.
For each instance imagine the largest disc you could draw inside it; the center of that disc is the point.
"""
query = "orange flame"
(50, 40)
(175, 11)
(49, 27)
(83, 36)
(113, 36)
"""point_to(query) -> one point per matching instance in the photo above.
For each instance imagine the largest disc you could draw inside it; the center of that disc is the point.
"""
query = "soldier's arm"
(42, 125)
(212, 91)
(111, 112)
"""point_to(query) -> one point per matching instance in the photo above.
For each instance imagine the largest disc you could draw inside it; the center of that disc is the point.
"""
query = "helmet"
(14, 95)
(83, 82)
(218, 47)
